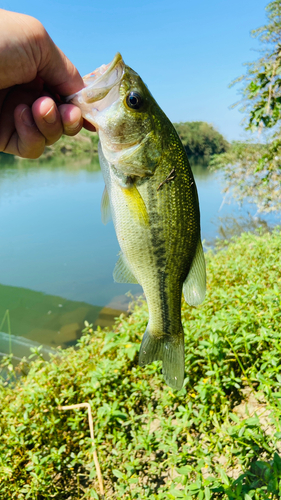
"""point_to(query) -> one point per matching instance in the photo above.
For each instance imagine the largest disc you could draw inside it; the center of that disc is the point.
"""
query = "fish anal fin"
(122, 272)
(105, 207)
(170, 351)
(194, 287)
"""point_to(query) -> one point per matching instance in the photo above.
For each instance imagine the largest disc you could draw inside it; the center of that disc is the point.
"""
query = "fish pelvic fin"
(122, 272)
(168, 349)
(194, 287)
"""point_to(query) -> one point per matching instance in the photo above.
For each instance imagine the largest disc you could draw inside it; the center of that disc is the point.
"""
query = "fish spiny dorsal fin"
(194, 287)
(105, 207)
(122, 272)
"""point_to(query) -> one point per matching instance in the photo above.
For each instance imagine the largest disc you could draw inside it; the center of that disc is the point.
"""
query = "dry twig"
(97, 465)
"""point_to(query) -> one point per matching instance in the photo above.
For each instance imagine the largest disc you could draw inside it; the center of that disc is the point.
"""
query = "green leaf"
(93, 494)
(207, 493)
(247, 497)
(117, 473)
(224, 477)
(184, 470)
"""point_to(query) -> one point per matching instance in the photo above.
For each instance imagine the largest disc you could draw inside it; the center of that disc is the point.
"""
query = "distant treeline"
(82, 145)
(201, 139)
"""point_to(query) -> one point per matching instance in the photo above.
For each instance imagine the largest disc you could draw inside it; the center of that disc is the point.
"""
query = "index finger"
(56, 70)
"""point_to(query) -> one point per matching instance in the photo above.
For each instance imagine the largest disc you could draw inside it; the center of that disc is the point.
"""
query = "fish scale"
(179, 237)
(154, 205)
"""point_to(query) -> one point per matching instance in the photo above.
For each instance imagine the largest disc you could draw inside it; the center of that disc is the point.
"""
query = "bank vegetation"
(217, 438)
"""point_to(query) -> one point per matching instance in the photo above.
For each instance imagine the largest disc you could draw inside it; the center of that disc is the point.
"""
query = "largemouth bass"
(151, 194)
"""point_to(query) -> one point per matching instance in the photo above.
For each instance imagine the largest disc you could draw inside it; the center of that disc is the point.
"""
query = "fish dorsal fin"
(122, 272)
(105, 207)
(194, 287)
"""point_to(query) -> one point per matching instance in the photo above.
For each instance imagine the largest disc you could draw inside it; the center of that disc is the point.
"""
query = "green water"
(56, 256)
(36, 315)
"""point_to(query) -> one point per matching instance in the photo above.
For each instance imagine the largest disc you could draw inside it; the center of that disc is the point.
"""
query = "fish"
(151, 195)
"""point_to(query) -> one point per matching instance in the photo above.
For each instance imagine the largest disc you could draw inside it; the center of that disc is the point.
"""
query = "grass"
(217, 438)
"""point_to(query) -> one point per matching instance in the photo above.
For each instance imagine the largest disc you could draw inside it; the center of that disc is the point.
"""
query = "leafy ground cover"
(219, 437)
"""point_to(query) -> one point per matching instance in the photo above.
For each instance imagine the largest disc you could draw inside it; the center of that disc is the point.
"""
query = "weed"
(217, 438)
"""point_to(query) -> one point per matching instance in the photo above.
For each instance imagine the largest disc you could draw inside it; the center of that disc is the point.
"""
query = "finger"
(71, 118)
(9, 101)
(3, 94)
(26, 141)
(47, 119)
(88, 126)
(56, 69)
(27, 50)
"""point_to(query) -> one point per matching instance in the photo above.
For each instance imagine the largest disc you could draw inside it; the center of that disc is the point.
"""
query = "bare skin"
(34, 72)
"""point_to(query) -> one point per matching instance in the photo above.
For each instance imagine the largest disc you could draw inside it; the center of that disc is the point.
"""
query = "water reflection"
(55, 320)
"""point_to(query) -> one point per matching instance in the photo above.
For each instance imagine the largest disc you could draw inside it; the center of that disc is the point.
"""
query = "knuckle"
(36, 26)
(31, 151)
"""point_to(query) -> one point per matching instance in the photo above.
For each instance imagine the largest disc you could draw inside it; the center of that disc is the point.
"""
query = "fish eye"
(134, 100)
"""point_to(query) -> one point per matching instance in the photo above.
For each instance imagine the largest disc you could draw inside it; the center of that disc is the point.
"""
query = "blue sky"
(186, 51)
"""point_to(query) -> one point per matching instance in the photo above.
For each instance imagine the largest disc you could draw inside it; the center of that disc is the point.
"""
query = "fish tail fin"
(168, 349)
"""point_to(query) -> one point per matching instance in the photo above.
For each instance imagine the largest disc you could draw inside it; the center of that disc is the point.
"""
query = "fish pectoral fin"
(169, 349)
(105, 207)
(122, 272)
(194, 287)
(135, 204)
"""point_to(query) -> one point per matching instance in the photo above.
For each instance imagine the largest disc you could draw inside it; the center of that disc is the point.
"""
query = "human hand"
(33, 73)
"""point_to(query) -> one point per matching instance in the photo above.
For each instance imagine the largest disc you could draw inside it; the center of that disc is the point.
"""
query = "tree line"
(200, 139)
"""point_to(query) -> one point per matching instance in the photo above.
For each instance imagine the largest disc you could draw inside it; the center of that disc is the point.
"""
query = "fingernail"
(27, 118)
(51, 115)
(73, 126)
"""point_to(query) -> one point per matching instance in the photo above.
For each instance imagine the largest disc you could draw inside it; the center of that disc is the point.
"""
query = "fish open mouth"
(99, 83)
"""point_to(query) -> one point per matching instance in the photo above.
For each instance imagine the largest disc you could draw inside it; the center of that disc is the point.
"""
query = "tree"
(201, 139)
(262, 90)
(255, 171)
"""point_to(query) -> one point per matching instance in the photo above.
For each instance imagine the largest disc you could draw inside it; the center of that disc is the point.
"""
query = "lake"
(57, 258)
